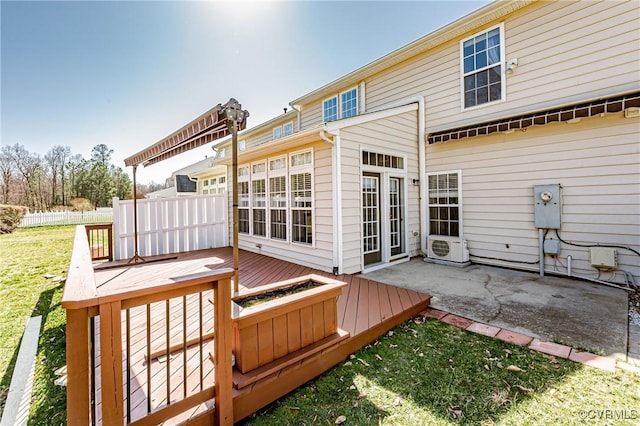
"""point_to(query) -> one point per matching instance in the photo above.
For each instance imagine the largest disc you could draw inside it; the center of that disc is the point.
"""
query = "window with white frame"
(242, 146)
(444, 203)
(259, 199)
(344, 105)
(349, 103)
(287, 129)
(243, 199)
(301, 208)
(214, 185)
(276, 198)
(282, 131)
(482, 77)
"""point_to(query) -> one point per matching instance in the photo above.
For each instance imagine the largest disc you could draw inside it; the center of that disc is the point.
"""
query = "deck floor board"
(366, 310)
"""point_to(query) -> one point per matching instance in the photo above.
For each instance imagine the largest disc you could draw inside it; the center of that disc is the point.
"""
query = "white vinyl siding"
(397, 134)
(566, 51)
(595, 161)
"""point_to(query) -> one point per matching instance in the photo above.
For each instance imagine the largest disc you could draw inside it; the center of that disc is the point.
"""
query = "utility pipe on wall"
(541, 250)
(337, 199)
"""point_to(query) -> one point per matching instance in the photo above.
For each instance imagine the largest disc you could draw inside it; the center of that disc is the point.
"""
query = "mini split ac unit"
(452, 249)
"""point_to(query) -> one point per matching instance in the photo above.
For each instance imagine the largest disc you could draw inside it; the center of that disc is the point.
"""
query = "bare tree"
(56, 158)
(29, 166)
(7, 170)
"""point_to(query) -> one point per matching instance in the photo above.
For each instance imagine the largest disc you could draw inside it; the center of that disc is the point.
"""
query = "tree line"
(60, 177)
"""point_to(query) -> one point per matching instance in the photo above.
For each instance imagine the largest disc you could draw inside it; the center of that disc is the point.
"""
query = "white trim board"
(16, 409)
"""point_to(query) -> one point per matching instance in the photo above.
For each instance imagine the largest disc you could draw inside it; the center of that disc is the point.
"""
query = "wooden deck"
(366, 310)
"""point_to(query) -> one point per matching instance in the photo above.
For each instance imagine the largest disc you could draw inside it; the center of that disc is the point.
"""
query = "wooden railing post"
(222, 352)
(111, 363)
(78, 353)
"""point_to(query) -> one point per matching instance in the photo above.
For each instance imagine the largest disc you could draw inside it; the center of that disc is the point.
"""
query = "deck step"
(243, 380)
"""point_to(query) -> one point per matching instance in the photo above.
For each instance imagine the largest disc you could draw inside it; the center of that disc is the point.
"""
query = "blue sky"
(126, 74)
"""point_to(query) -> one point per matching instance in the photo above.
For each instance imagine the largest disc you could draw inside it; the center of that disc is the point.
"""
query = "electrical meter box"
(546, 208)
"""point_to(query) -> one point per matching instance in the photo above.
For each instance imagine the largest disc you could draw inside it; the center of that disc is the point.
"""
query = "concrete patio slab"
(574, 312)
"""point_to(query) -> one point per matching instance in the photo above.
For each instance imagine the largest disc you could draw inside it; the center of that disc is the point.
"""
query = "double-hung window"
(275, 198)
(278, 198)
(259, 198)
(482, 76)
(444, 204)
(344, 105)
(243, 199)
(301, 198)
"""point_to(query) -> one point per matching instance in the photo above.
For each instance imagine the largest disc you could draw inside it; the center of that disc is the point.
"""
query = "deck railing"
(108, 376)
(100, 239)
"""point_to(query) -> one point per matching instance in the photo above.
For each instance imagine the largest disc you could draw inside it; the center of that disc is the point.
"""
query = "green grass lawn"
(25, 256)
(421, 373)
(431, 373)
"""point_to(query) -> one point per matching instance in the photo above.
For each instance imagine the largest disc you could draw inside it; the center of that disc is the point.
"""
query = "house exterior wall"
(320, 254)
(396, 135)
(566, 51)
(596, 162)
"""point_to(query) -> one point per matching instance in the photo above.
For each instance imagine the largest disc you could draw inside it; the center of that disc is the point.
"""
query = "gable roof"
(456, 29)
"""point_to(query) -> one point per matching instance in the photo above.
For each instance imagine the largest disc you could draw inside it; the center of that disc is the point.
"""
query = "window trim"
(503, 81)
(460, 203)
(324, 117)
(339, 106)
(287, 172)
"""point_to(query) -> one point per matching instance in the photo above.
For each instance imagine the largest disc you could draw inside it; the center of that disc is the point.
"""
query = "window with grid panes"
(243, 199)
(301, 208)
(259, 199)
(444, 204)
(482, 76)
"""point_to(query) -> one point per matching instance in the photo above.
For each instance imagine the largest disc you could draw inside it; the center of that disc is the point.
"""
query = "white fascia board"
(286, 143)
(216, 169)
(370, 116)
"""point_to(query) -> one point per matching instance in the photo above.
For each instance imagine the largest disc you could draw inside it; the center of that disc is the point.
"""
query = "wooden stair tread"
(243, 380)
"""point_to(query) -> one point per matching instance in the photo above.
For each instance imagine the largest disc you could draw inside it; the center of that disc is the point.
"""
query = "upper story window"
(349, 103)
(330, 109)
(285, 130)
(482, 76)
(242, 146)
(343, 106)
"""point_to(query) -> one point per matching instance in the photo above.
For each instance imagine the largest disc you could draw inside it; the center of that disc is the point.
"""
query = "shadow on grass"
(424, 373)
(48, 398)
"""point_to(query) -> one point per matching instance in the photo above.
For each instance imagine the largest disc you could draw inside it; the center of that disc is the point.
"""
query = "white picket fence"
(170, 225)
(104, 215)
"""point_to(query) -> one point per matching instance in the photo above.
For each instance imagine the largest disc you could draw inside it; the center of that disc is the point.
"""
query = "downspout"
(422, 163)
(337, 198)
(298, 110)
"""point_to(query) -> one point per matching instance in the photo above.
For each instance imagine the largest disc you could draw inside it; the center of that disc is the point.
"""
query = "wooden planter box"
(276, 328)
